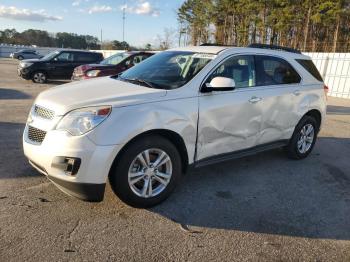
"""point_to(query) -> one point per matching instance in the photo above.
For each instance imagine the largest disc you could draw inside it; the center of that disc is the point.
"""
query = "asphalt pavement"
(264, 207)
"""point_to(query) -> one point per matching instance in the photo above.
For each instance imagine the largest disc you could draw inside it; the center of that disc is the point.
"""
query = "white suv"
(185, 107)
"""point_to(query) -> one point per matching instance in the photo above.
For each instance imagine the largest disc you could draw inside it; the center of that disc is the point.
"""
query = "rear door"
(278, 91)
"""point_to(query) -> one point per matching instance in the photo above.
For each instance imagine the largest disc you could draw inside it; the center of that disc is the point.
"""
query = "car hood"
(94, 66)
(95, 92)
(31, 60)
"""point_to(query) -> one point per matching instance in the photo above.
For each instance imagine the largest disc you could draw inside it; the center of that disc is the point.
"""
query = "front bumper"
(78, 77)
(24, 73)
(90, 180)
(84, 191)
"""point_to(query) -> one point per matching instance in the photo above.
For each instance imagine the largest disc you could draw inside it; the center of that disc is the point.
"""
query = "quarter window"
(274, 71)
(84, 57)
(311, 68)
(239, 68)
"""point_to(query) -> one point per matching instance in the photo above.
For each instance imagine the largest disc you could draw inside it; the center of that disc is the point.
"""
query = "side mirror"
(220, 84)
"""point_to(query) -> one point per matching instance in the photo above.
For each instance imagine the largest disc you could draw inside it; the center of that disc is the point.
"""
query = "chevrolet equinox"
(185, 107)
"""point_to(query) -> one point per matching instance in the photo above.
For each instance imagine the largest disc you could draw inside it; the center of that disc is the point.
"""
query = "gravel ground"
(264, 207)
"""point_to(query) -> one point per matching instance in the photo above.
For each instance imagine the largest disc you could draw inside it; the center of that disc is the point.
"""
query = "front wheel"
(303, 139)
(146, 172)
(39, 77)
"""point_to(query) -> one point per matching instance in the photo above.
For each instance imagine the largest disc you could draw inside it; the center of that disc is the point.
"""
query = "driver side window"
(239, 68)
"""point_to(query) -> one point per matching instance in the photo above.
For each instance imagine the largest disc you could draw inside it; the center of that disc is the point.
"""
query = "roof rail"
(210, 44)
(275, 47)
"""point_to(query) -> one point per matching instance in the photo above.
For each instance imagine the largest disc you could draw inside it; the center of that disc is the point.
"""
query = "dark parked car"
(56, 65)
(112, 65)
(25, 54)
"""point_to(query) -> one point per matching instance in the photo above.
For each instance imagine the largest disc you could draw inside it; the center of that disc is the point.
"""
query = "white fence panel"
(107, 53)
(334, 67)
(335, 70)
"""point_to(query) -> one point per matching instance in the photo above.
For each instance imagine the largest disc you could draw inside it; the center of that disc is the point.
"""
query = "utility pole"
(124, 7)
(101, 40)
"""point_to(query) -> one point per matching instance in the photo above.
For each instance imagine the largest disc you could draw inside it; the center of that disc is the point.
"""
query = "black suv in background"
(56, 65)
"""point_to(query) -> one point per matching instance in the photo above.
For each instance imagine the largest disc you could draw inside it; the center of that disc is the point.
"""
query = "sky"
(145, 19)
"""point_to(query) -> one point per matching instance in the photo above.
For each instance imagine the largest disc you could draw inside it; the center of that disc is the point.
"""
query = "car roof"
(139, 52)
(228, 49)
(76, 50)
(25, 50)
(201, 49)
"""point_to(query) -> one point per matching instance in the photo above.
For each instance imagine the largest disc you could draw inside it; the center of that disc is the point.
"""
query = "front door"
(229, 120)
(61, 67)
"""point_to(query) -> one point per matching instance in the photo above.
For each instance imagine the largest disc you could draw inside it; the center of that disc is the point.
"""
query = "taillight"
(325, 89)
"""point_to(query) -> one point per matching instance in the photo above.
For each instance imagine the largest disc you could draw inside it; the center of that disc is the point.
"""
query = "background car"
(56, 65)
(25, 54)
(112, 65)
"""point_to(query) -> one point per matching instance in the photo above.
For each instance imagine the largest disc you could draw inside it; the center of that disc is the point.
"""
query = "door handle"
(255, 99)
(296, 92)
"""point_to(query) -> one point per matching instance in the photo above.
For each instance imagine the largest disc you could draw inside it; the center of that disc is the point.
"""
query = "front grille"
(43, 112)
(35, 134)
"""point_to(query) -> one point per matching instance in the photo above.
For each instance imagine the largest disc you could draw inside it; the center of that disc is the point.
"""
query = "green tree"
(313, 25)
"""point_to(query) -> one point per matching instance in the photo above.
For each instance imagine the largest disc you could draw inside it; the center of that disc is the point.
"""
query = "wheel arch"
(40, 70)
(316, 114)
(172, 136)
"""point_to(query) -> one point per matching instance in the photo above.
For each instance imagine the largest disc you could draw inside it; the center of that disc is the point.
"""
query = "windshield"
(168, 69)
(51, 55)
(115, 59)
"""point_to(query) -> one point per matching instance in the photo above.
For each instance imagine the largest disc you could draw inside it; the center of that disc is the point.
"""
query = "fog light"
(70, 165)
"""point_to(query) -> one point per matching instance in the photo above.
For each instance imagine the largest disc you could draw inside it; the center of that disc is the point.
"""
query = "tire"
(296, 148)
(20, 57)
(129, 168)
(39, 77)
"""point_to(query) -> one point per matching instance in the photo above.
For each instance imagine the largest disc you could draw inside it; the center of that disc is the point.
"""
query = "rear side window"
(274, 71)
(311, 68)
(86, 57)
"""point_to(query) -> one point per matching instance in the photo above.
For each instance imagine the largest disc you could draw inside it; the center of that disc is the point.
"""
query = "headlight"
(93, 73)
(25, 64)
(80, 121)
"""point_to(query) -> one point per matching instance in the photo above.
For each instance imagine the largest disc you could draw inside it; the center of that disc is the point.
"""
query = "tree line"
(46, 39)
(33, 37)
(309, 25)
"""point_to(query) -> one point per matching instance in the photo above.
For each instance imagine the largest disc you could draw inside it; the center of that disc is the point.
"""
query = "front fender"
(125, 123)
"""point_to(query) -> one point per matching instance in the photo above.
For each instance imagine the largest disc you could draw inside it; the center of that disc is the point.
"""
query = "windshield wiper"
(141, 81)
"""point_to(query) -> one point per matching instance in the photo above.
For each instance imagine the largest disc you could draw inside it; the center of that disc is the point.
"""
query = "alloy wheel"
(306, 138)
(39, 77)
(150, 173)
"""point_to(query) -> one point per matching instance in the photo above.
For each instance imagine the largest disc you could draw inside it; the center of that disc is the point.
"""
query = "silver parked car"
(25, 54)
